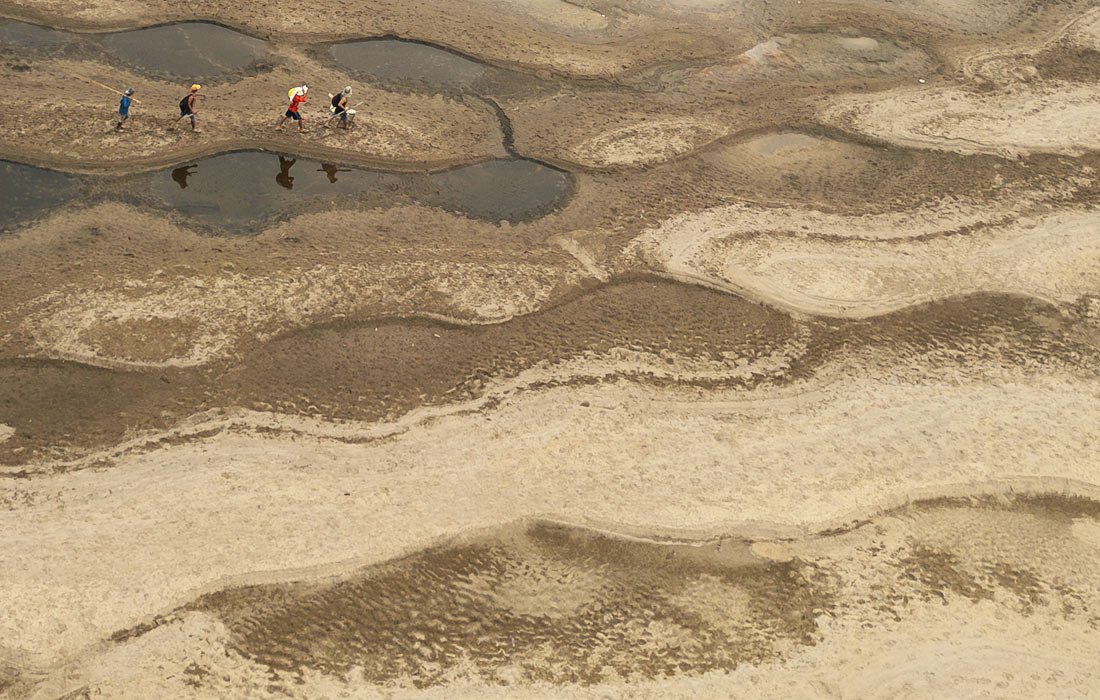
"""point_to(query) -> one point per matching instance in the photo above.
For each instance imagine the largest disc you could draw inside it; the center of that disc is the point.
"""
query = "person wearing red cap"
(297, 98)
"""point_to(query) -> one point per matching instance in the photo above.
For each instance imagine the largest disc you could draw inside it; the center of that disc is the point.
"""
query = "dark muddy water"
(235, 193)
(506, 189)
(28, 192)
(191, 50)
(188, 49)
(408, 61)
(399, 63)
(31, 36)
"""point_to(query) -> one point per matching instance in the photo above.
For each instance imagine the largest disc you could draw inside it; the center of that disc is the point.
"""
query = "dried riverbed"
(677, 348)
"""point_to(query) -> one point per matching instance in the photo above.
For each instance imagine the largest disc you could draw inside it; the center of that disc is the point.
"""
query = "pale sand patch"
(574, 243)
(1016, 120)
(724, 607)
(857, 43)
(92, 551)
(554, 588)
(6, 432)
(856, 266)
(646, 142)
(778, 145)
(766, 51)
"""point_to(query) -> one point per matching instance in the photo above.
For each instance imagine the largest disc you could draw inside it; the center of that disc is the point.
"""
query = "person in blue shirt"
(124, 108)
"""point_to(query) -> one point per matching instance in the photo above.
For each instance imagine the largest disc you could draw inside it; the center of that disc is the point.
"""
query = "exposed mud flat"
(686, 349)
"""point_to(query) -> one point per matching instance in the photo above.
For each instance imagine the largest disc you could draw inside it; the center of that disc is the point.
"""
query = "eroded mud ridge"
(548, 603)
(670, 348)
(648, 330)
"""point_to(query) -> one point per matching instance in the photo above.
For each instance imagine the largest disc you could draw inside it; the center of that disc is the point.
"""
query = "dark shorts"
(342, 114)
(188, 114)
(293, 115)
(123, 116)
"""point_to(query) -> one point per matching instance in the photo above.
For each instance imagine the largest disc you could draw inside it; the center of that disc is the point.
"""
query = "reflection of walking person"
(124, 108)
(284, 178)
(187, 107)
(181, 174)
(331, 170)
(298, 96)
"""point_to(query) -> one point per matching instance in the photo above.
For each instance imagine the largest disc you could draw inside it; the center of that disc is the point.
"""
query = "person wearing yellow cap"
(187, 107)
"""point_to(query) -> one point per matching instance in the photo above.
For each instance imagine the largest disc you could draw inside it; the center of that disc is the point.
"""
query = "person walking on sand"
(124, 108)
(298, 96)
(187, 107)
(340, 108)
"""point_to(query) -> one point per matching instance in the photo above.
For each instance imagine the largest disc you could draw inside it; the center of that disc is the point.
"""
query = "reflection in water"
(233, 195)
(228, 195)
(283, 178)
(331, 170)
(181, 174)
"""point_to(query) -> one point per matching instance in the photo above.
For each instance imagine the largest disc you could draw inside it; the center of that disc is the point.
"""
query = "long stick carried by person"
(117, 92)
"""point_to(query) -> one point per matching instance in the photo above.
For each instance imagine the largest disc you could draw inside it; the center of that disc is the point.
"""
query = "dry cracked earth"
(623, 349)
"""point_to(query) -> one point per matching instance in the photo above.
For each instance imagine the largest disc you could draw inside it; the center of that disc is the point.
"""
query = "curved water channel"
(235, 193)
(205, 50)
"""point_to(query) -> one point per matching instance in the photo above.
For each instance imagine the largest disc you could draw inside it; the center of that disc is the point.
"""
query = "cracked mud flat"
(789, 386)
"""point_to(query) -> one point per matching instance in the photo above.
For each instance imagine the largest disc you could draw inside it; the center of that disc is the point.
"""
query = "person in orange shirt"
(292, 111)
